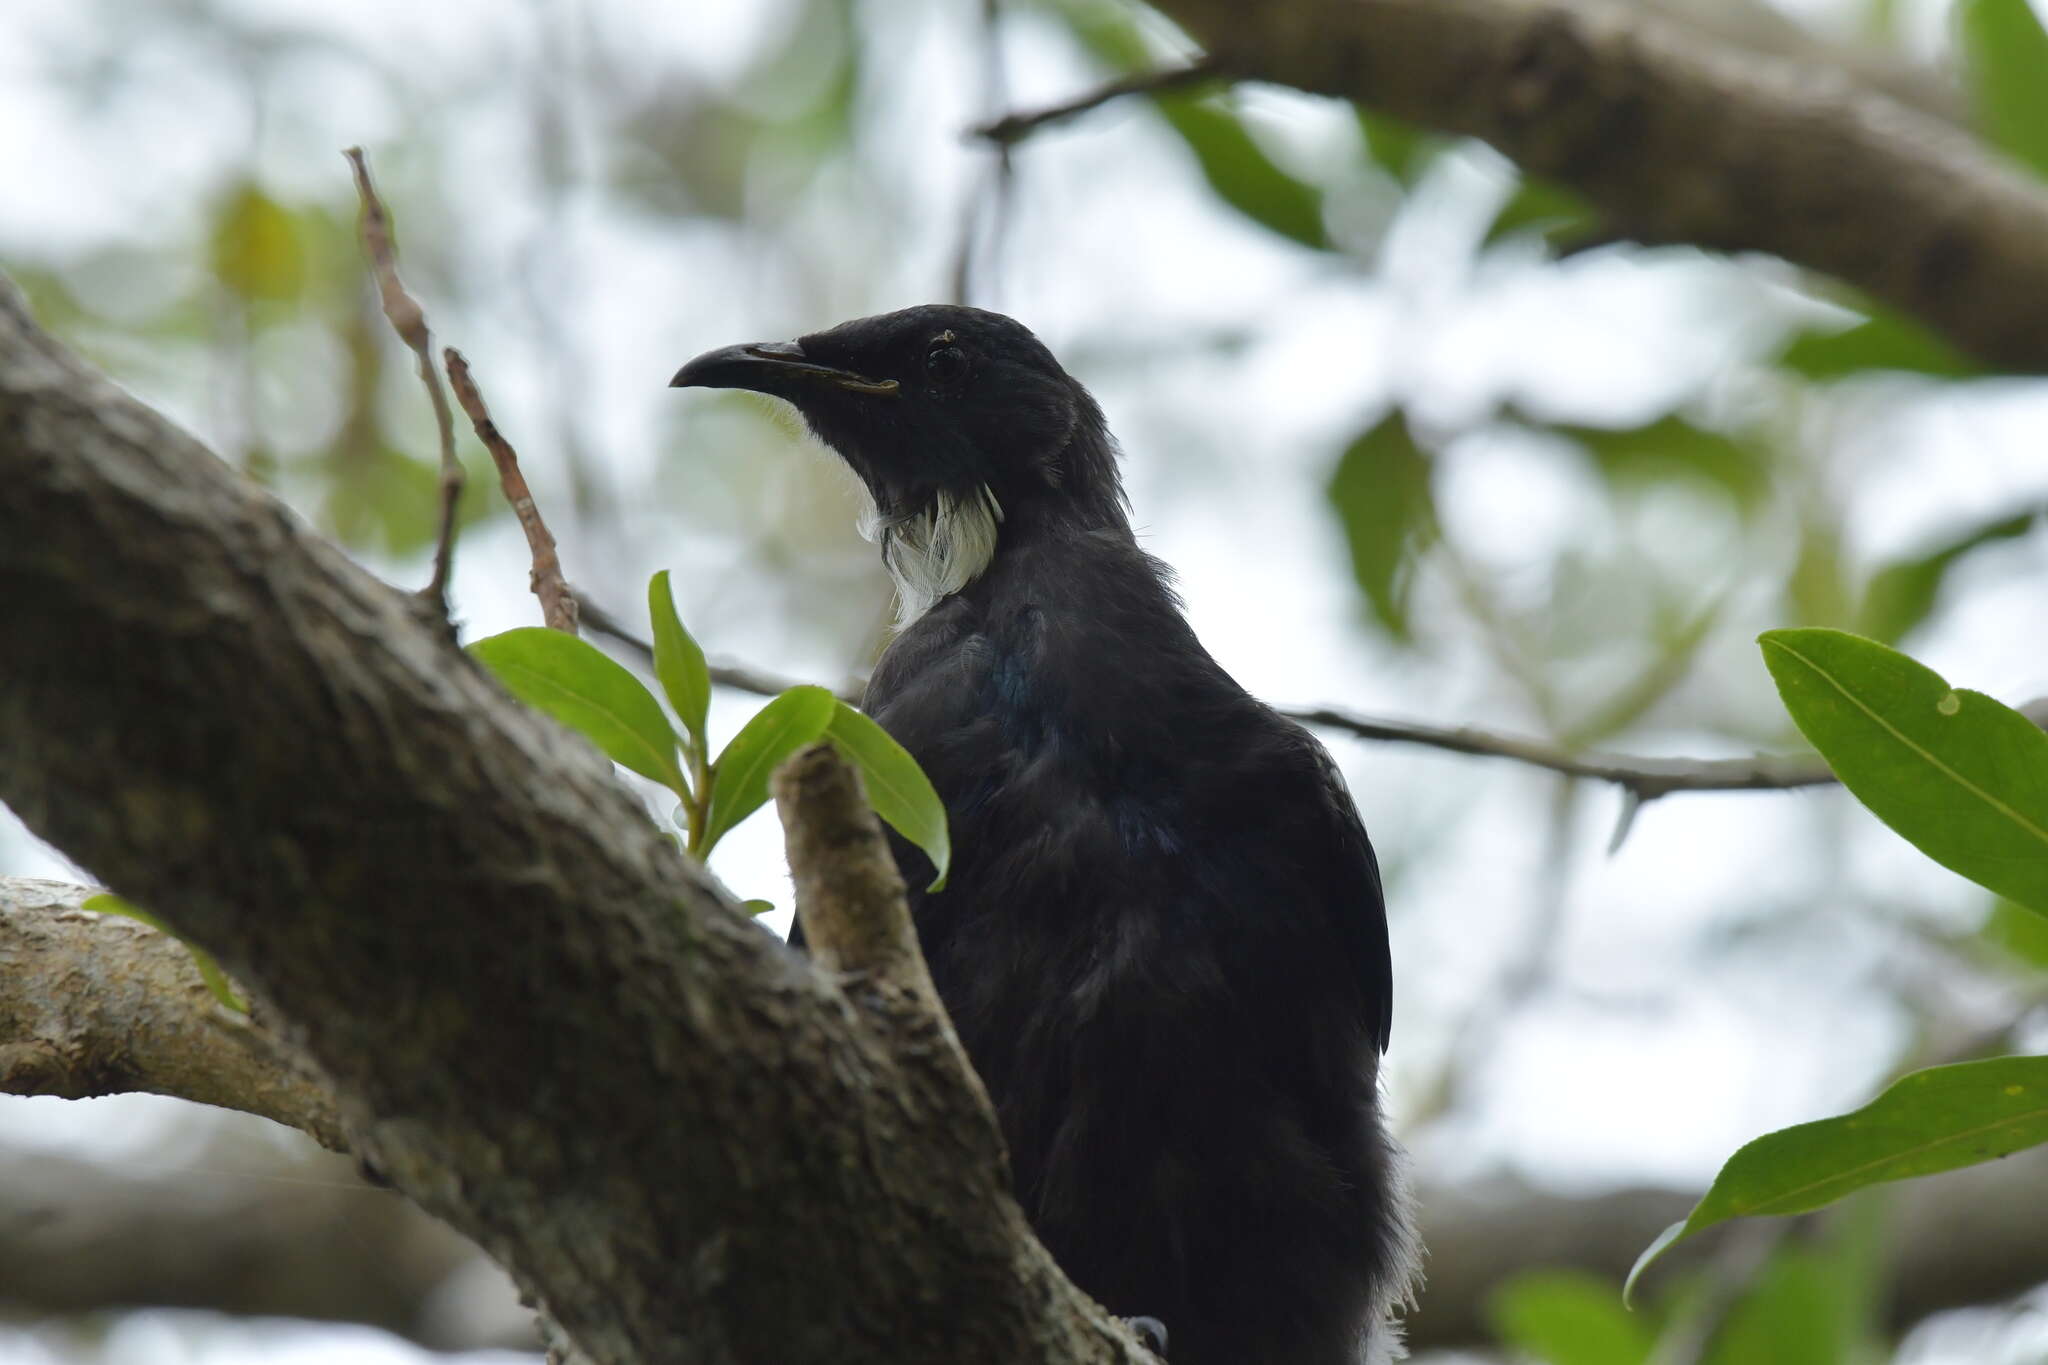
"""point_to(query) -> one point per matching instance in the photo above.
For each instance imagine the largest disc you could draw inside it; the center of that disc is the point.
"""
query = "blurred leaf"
(1805, 1306)
(2018, 932)
(897, 788)
(256, 248)
(2005, 66)
(383, 499)
(1934, 1120)
(1402, 150)
(588, 691)
(690, 152)
(1818, 590)
(1232, 161)
(1672, 445)
(1241, 173)
(1886, 340)
(1568, 1317)
(758, 908)
(739, 782)
(1677, 638)
(829, 38)
(107, 903)
(385, 502)
(1903, 592)
(1558, 214)
(1960, 776)
(679, 661)
(684, 154)
(50, 297)
(1381, 492)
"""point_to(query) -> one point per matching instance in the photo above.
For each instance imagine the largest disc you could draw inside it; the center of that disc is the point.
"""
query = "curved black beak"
(768, 367)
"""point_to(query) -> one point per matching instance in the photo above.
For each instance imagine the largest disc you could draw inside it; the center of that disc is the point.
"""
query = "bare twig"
(1646, 779)
(1014, 128)
(1643, 779)
(737, 676)
(409, 320)
(989, 204)
(557, 603)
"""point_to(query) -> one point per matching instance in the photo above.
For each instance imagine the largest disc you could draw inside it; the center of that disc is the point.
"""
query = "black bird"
(1163, 941)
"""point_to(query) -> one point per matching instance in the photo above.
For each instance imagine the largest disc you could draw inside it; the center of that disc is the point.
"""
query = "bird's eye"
(945, 364)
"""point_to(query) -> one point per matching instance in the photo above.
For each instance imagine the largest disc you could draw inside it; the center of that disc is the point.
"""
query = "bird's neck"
(939, 548)
(953, 538)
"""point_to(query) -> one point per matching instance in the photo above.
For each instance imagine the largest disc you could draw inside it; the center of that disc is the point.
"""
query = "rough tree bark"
(1677, 138)
(94, 1005)
(539, 1021)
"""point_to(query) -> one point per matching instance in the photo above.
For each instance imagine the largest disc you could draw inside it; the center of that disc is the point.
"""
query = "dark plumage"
(1163, 941)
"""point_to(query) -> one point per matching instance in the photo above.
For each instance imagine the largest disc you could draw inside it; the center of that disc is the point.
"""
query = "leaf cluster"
(599, 698)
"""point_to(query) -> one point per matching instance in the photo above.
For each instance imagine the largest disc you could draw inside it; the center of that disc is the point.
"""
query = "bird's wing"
(1355, 894)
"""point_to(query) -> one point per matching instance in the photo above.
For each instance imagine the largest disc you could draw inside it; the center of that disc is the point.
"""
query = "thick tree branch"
(540, 1021)
(1677, 139)
(848, 891)
(96, 1005)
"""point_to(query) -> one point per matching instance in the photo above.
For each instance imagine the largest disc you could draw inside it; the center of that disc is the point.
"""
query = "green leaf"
(1402, 150)
(739, 780)
(1557, 214)
(897, 788)
(257, 253)
(1671, 445)
(2005, 65)
(1884, 341)
(679, 661)
(2019, 933)
(1568, 1317)
(1960, 776)
(757, 908)
(1381, 492)
(1934, 1120)
(107, 903)
(591, 693)
(1818, 591)
(1807, 1304)
(1241, 173)
(1231, 160)
(1902, 594)
(381, 498)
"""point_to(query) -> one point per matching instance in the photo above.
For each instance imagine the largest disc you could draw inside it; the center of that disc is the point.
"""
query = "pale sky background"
(1668, 1033)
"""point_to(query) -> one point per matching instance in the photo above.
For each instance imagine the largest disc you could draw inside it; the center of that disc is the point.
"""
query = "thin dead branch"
(557, 603)
(409, 320)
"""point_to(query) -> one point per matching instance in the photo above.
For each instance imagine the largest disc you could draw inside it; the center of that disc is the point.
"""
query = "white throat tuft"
(936, 552)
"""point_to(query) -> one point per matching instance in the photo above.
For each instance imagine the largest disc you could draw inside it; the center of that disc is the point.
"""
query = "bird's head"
(958, 421)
